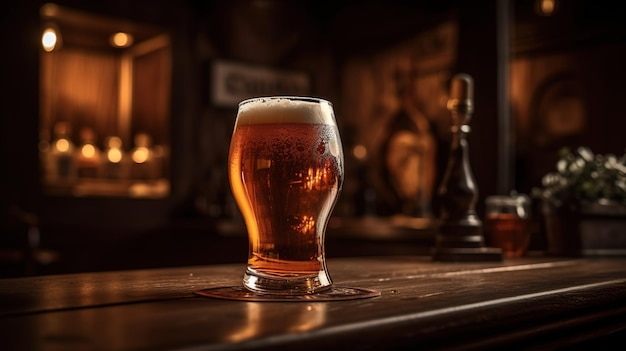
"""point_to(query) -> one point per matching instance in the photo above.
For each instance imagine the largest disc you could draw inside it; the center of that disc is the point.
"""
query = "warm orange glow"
(360, 152)
(49, 10)
(140, 155)
(88, 151)
(49, 39)
(546, 7)
(121, 40)
(311, 179)
(115, 142)
(306, 225)
(62, 145)
(114, 155)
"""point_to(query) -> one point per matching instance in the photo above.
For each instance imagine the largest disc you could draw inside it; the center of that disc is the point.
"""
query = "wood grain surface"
(523, 303)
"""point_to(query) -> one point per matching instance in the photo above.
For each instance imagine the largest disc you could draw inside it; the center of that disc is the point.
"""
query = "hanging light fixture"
(121, 40)
(51, 37)
(546, 7)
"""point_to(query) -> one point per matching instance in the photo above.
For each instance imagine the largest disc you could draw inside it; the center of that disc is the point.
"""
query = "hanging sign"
(232, 82)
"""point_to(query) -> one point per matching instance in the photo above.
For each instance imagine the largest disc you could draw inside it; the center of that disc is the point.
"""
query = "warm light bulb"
(49, 39)
(114, 155)
(88, 151)
(62, 145)
(140, 155)
(546, 7)
(121, 40)
(360, 152)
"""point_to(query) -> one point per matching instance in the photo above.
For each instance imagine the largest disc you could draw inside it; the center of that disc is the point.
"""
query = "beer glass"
(507, 223)
(286, 171)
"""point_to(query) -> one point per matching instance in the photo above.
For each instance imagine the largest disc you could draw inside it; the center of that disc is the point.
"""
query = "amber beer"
(507, 224)
(286, 172)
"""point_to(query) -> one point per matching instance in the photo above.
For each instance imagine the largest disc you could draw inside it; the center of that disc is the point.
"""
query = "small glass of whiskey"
(507, 224)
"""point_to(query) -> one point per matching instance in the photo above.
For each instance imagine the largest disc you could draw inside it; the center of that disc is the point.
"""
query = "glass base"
(333, 293)
(285, 285)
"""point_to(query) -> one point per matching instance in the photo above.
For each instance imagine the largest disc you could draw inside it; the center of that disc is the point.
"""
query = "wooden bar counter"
(527, 303)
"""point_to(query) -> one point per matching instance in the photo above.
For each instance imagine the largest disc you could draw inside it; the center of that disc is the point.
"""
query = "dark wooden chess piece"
(460, 236)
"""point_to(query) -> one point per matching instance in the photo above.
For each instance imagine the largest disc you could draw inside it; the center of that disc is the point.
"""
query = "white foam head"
(285, 109)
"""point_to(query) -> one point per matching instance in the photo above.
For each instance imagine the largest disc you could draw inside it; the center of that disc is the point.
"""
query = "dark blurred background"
(158, 105)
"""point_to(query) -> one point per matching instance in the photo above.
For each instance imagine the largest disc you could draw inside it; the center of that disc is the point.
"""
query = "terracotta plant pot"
(596, 229)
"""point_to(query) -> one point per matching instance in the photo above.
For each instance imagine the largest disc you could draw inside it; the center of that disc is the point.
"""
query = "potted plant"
(584, 204)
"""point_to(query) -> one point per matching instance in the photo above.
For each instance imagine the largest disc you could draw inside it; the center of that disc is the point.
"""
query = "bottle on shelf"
(62, 166)
(142, 156)
(115, 159)
(88, 156)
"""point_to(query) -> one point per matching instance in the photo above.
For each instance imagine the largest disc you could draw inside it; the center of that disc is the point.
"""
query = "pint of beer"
(286, 171)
